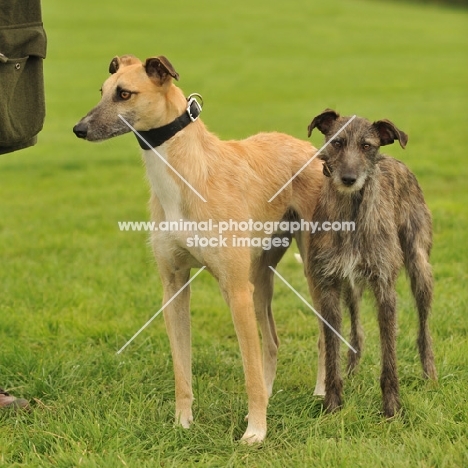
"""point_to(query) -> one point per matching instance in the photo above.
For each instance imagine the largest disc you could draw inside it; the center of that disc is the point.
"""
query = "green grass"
(74, 288)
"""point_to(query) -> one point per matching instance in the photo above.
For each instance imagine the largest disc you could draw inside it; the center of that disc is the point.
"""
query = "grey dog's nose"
(80, 130)
(348, 180)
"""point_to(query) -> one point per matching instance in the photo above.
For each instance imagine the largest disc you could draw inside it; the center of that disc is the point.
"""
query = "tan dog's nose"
(80, 130)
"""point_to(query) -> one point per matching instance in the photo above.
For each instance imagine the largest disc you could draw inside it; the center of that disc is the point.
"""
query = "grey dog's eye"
(366, 146)
(337, 144)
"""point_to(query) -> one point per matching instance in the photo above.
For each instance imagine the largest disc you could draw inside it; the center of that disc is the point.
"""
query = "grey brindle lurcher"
(393, 228)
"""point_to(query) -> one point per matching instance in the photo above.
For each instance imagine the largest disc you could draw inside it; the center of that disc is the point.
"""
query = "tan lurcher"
(236, 178)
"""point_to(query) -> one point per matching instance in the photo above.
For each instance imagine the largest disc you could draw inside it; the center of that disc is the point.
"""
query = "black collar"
(157, 136)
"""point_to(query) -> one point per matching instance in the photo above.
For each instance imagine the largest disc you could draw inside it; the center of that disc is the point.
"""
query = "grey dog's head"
(351, 154)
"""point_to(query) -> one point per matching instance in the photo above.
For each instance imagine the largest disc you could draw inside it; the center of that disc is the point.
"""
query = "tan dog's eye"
(125, 94)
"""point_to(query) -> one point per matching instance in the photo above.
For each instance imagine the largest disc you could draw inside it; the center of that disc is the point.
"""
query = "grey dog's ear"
(388, 133)
(323, 121)
(160, 68)
(118, 62)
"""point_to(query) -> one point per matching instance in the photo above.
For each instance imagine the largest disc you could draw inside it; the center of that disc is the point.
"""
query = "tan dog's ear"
(160, 68)
(388, 133)
(118, 62)
(323, 121)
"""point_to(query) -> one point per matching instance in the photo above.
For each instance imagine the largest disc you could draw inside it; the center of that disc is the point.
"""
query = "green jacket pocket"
(22, 101)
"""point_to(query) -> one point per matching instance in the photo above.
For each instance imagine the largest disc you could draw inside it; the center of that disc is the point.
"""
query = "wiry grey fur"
(393, 228)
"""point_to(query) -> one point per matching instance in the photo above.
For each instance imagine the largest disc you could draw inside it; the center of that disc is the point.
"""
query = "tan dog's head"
(142, 93)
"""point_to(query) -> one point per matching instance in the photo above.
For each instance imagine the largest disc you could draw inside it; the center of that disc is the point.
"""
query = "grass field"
(74, 288)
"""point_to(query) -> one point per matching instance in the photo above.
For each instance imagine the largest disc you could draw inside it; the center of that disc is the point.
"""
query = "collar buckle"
(194, 108)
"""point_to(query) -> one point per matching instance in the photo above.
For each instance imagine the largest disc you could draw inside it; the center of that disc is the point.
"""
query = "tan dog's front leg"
(177, 319)
(240, 300)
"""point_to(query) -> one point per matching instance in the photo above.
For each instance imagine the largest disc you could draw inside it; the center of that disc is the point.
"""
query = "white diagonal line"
(162, 159)
(311, 159)
(313, 310)
(161, 309)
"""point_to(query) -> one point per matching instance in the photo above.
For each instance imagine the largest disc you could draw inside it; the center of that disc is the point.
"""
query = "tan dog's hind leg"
(262, 278)
(263, 294)
(177, 320)
(320, 383)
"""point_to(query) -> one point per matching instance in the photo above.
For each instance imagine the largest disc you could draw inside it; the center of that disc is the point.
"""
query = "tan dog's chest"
(163, 185)
(167, 212)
